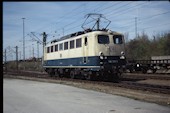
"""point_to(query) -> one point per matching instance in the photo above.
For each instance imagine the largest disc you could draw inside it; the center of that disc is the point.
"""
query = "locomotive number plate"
(113, 61)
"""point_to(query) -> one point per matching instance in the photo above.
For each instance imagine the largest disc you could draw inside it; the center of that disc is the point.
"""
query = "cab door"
(85, 50)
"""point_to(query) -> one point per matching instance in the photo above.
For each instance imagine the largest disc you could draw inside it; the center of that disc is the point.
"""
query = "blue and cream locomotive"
(86, 54)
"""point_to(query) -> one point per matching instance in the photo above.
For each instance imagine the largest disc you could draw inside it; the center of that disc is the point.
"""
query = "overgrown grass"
(30, 66)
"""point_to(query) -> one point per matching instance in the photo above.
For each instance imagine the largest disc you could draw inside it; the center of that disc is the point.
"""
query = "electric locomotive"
(88, 54)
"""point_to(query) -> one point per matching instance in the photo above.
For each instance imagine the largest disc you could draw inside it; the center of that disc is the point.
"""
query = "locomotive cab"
(110, 48)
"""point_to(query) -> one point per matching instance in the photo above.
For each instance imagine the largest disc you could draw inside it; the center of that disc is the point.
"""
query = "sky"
(62, 18)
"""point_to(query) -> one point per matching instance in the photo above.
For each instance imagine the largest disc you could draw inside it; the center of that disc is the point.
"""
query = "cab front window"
(103, 39)
(117, 39)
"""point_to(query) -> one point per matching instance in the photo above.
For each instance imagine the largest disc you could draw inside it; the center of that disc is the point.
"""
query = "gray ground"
(23, 96)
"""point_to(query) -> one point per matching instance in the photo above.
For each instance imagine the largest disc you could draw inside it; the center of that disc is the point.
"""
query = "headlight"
(122, 53)
(122, 57)
(101, 55)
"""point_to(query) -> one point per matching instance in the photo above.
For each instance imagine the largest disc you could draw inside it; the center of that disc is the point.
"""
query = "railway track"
(147, 87)
(123, 84)
(145, 76)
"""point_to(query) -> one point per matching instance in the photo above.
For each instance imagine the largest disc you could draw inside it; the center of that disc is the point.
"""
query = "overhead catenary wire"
(111, 6)
(128, 9)
(140, 29)
(77, 20)
(74, 22)
(151, 17)
(102, 10)
(119, 8)
(100, 6)
(60, 18)
(97, 11)
(144, 18)
(118, 13)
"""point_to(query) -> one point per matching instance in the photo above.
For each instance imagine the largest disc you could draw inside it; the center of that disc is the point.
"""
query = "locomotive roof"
(77, 34)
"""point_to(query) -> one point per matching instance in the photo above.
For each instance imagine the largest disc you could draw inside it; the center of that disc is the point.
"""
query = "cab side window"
(72, 44)
(65, 45)
(56, 47)
(51, 48)
(61, 46)
(78, 42)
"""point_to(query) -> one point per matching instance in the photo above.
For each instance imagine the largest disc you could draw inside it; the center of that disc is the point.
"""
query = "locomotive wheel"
(116, 77)
(56, 73)
(90, 76)
(72, 75)
(131, 70)
(60, 75)
(50, 72)
(154, 70)
(144, 71)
